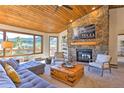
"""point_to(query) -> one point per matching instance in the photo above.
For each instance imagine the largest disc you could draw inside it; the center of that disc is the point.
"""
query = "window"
(1, 39)
(53, 41)
(38, 44)
(23, 44)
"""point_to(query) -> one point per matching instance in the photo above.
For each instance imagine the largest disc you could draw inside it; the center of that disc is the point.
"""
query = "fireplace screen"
(84, 55)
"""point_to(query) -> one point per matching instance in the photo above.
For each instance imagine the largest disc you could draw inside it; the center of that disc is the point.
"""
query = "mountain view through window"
(23, 44)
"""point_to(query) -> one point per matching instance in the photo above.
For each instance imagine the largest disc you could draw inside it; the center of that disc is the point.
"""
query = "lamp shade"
(7, 44)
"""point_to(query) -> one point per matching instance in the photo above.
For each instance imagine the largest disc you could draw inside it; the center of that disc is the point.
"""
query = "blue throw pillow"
(13, 63)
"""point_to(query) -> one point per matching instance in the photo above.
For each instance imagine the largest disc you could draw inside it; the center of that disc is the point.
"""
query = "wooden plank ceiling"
(42, 18)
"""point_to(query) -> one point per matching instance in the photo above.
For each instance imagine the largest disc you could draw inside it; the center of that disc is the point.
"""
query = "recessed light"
(59, 5)
(71, 20)
(93, 8)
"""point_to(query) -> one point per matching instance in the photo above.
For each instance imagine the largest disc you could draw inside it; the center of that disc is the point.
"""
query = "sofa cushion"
(31, 80)
(34, 66)
(12, 62)
(5, 81)
(12, 74)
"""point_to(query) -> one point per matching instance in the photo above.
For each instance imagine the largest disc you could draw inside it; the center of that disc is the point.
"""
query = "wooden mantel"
(89, 43)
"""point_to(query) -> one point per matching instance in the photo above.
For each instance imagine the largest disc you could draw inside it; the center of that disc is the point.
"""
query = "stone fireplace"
(99, 44)
(83, 55)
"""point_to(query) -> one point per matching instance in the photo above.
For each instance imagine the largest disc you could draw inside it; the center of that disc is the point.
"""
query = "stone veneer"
(100, 18)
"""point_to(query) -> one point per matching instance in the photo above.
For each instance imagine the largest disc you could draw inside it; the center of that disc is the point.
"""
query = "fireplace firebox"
(84, 55)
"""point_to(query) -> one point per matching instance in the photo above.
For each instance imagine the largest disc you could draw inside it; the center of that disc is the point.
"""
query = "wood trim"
(19, 55)
(120, 34)
(115, 6)
(5, 30)
(84, 43)
(16, 55)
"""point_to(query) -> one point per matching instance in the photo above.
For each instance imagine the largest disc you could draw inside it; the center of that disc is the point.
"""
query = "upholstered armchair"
(58, 58)
(102, 63)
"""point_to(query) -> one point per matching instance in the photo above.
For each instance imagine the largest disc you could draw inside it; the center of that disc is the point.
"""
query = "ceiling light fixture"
(71, 20)
(93, 8)
(59, 5)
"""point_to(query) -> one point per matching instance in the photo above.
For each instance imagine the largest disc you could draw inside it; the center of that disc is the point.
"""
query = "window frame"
(57, 43)
(4, 39)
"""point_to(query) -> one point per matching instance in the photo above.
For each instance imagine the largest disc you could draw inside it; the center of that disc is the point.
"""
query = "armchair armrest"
(18, 60)
(105, 63)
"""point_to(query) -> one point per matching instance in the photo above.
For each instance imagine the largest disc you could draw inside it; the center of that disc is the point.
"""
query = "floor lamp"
(7, 45)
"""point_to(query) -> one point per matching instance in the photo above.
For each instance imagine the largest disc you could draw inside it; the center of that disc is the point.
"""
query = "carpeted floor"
(92, 78)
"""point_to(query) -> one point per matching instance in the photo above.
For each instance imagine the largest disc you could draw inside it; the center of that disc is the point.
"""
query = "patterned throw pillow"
(12, 74)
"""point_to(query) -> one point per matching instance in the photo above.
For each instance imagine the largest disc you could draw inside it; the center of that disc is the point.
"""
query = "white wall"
(45, 36)
(120, 38)
(116, 26)
(64, 33)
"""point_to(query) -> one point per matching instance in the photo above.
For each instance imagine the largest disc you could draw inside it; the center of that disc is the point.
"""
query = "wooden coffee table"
(69, 76)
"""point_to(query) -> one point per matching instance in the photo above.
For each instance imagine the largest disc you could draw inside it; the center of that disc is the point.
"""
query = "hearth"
(84, 55)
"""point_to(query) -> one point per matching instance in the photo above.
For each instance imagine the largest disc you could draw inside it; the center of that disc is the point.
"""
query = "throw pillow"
(13, 63)
(12, 74)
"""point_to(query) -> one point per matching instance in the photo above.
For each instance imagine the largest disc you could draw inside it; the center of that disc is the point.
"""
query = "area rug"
(92, 78)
